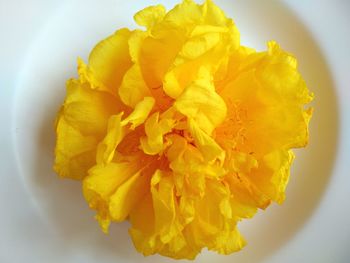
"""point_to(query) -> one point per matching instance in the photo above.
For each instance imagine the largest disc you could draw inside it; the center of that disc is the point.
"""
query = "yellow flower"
(181, 130)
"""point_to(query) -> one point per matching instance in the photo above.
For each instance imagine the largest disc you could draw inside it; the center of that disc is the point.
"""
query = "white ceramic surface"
(45, 219)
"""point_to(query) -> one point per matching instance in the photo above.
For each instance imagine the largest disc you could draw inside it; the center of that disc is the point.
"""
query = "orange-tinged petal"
(273, 90)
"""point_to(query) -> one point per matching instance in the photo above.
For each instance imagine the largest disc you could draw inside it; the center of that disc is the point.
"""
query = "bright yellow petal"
(150, 16)
(135, 43)
(81, 124)
(110, 59)
(228, 242)
(266, 90)
(115, 134)
(206, 144)
(185, 14)
(272, 175)
(201, 103)
(207, 46)
(167, 41)
(128, 195)
(181, 130)
(162, 189)
(140, 113)
(88, 110)
(74, 153)
(101, 183)
(133, 88)
(155, 129)
(239, 162)
(213, 15)
(142, 227)
(246, 196)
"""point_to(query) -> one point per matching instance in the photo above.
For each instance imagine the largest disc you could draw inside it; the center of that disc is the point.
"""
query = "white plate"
(44, 219)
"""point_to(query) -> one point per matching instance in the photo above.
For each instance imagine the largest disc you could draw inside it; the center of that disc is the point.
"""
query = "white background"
(44, 219)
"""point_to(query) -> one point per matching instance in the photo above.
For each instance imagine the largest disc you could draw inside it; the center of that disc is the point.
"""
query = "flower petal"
(155, 129)
(75, 153)
(166, 41)
(162, 189)
(110, 59)
(272, 175)
(115, 134)
(142, 227)
(133, 88)
(135, 43)
(201, 103)
(127, 196)
(140, 113)
(88, 110)
(101, 183)
(268, 112)
(206, 144)
(80, 125)
(150, 16)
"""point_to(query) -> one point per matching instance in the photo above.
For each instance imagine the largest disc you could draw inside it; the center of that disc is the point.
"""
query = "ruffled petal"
(271, 176)
(115, 134)
(127, 196)
(88, 110)
(135, 43)
(133, 88)
(140, 113)
(142, 221)
(213, 225)
(155, 130)
(206, 144)
(110, 59)
(101, 183)
(201, 103)
(75, 153)
(185, 14)
(155, 223)
(273, 90)
(181, 130)
(150, 16)
(166, 41)
(80, 125)
(162, 189)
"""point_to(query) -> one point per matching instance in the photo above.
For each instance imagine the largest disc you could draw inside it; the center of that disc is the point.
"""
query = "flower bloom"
(181, 130)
